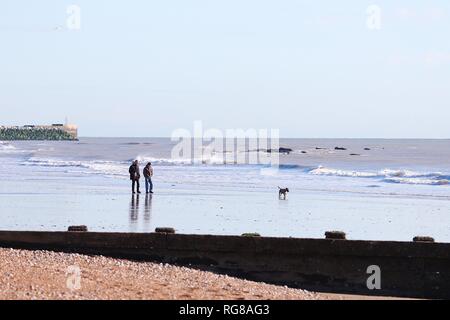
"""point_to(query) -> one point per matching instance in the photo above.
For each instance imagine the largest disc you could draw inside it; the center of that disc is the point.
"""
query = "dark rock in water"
(367, 149)
(336, 235)
(423, 239)
(280, 150)
(77, 229)
(284, 150)
(165, 230)
(340, 148)
(251, 234)
(354, 154)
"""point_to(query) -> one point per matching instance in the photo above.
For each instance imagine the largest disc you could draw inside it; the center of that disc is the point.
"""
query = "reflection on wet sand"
(135, 210)
(148, 208)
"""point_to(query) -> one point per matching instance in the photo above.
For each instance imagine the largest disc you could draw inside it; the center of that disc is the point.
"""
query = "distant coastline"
(58, 132)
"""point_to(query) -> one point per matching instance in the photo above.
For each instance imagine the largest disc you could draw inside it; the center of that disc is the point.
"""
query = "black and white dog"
(282, 192)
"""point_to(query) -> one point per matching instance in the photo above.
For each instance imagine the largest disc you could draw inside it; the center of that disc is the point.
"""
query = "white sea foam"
(109, 168)
(389, 175)
(215, 159)
(433, 182)
(408, 173)
(167, 161)
(8, 149)
(342, 173)
(120, 168)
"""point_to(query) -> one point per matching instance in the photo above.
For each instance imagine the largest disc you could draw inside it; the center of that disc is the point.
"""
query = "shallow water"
(394, 191)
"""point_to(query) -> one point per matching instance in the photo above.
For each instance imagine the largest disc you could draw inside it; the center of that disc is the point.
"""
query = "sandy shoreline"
(305, 214)
(45, 275)
(70, 184)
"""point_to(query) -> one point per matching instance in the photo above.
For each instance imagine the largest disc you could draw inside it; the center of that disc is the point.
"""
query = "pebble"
(44, 275)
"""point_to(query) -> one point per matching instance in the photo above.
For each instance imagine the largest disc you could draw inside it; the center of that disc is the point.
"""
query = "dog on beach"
(282, 192)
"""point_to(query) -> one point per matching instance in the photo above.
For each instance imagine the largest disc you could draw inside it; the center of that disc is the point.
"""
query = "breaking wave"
(7, 148)
(108, 168)
(389, 175)
(342, 173)
(120, 168)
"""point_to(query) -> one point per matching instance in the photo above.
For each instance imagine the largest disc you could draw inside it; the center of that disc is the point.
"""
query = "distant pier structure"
(54, 131)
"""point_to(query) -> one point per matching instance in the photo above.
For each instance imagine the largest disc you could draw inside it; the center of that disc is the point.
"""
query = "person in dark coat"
(135, 175)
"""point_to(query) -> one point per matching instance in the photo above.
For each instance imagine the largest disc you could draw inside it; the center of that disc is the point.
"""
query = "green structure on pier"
(46, 132)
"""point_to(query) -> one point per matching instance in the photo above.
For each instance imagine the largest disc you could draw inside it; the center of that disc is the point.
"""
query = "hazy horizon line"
(305, 138)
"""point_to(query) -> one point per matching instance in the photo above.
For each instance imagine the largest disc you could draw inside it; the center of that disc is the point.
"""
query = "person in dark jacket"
(148, 174)
(134, 175)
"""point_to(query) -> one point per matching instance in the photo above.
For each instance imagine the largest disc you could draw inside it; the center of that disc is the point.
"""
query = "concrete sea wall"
(410, 269)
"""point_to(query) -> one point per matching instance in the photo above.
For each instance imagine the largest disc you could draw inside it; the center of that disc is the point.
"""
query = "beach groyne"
(411, 269)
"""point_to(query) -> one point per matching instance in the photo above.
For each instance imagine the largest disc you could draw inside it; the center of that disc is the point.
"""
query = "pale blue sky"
(309, 68)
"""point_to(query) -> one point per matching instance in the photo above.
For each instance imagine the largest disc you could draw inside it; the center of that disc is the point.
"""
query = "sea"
(378, 189)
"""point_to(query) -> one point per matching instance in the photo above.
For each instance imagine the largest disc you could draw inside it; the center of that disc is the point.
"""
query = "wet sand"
(45, 275)
(87, 183)
(304, 214)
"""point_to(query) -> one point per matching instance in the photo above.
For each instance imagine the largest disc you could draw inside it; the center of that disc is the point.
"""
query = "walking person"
(135, 175)
(148, 174)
